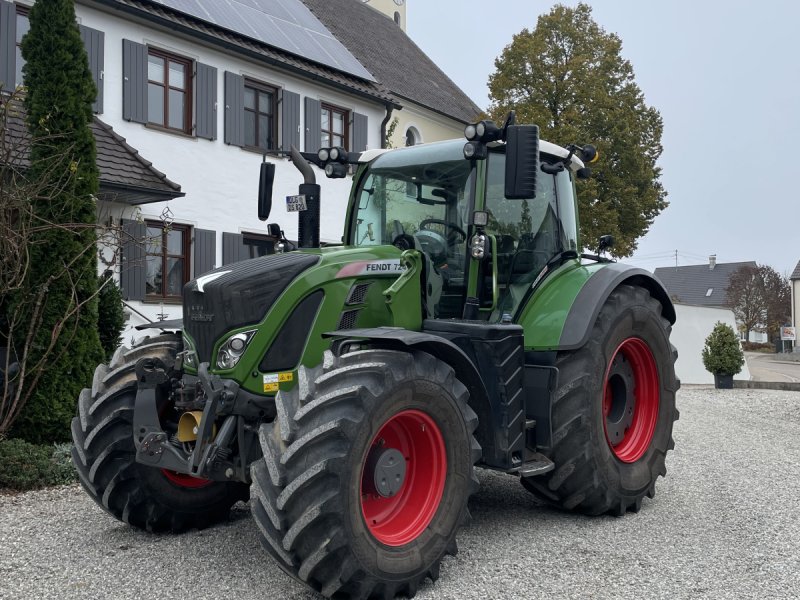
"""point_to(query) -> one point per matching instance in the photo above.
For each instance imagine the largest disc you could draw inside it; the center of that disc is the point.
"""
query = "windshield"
(414, 190)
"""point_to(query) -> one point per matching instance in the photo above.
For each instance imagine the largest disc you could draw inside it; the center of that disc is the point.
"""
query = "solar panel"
(284, 24)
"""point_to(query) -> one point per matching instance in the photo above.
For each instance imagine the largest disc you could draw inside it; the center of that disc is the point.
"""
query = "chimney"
(712, 261)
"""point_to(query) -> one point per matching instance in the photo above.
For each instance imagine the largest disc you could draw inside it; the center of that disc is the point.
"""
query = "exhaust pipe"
(308, 220)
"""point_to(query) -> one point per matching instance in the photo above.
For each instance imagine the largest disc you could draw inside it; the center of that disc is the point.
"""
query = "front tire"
(613, 411)
(320, 496)
(105, 456)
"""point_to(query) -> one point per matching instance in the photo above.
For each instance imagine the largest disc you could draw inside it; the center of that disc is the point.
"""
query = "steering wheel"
(451, 226)
(433, 244)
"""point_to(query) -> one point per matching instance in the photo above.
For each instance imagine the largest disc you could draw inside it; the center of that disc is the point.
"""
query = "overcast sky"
(725, 76)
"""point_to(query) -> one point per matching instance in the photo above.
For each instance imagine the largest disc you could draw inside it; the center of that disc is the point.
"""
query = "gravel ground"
(723, 524)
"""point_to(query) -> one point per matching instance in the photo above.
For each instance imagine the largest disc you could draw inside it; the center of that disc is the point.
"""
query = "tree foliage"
(722, 354)
(568, 76)
(760, 299)
(55, 309)
(746, 299)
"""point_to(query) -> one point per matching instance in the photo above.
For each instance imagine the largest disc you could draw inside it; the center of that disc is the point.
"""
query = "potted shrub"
(722, 355)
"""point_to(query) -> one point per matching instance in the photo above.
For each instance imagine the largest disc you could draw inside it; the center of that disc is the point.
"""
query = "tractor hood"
(237, 295)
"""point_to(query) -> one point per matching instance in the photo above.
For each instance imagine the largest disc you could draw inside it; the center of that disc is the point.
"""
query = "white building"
(203, 94)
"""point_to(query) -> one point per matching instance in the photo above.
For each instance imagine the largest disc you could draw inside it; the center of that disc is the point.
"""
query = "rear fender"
(561, 313)
(595, 292)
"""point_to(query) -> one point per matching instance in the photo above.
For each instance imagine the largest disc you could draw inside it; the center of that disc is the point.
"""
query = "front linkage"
(196, 449)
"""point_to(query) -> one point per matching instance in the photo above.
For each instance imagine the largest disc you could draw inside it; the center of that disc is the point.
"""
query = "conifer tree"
(59, 295)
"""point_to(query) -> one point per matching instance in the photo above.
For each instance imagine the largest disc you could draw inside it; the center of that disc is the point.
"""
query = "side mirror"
(522, 161)
(265, 180)
(606, 243)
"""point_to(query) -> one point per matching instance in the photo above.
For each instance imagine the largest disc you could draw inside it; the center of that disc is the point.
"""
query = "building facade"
(205, 98)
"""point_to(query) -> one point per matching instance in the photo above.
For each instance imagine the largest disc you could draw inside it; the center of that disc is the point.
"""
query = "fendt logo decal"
(386, 266)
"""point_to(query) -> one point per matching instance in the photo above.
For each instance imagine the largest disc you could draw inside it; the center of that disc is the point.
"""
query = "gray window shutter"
(206, 100)
(93, 41)
(290, 125)
(313, 124)
(233, 249)
(8, 43)
(234, 109)
(134, 81)
(132, 265)
(360, 130)
(205, 251)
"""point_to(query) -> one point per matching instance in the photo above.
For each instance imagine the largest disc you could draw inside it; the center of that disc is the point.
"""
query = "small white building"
(705, 285)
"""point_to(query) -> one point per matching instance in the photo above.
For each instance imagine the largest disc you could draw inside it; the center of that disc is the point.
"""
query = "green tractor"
(352, 390)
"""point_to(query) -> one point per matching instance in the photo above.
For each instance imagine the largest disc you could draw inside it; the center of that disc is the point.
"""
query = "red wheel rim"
(400, 519)
(184, 480)
(630, 400)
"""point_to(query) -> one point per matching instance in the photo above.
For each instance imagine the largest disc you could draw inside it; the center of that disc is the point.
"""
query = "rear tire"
(314, 503)
(104, 454)
(613, 412)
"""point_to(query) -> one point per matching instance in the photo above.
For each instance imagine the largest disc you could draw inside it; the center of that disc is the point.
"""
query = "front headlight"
(231, 351)
(189, 353)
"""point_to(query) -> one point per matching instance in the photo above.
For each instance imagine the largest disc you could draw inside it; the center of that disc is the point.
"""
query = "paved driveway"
(723, 524)
(772, 367)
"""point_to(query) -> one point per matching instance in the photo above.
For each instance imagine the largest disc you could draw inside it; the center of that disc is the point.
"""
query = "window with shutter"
(167, 264)
(260, 116)
(334, 127)
(169, 90)
(257, 244)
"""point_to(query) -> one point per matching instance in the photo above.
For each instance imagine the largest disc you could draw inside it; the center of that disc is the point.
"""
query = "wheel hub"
(619, 399)
(388, 468)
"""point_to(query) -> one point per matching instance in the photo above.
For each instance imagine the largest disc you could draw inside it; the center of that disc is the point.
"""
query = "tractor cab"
(478, 242)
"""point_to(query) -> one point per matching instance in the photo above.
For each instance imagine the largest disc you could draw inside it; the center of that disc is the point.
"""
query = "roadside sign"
(788, 334)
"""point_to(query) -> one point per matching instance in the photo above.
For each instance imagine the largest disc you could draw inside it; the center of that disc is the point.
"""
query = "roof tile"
(125, 175)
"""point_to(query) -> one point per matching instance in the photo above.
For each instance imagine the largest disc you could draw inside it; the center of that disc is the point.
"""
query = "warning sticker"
(272, 381)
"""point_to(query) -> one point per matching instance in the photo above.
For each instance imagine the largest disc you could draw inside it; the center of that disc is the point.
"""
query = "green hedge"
(26, 466)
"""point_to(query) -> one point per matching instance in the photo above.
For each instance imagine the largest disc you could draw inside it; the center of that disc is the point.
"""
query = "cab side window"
(527, 231)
